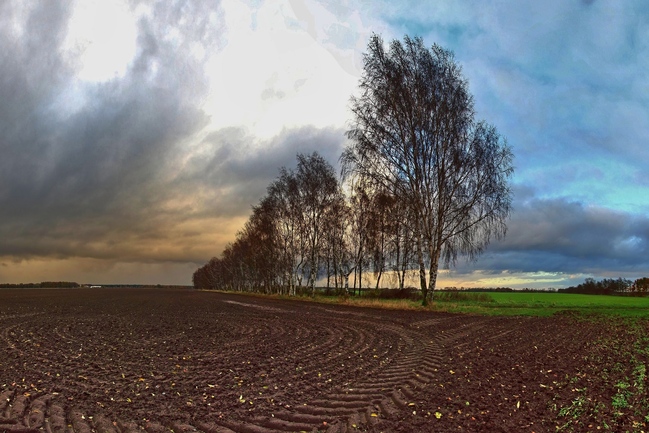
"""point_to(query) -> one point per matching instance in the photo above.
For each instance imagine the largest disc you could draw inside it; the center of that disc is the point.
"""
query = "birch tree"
(319, 190)
(414, 132)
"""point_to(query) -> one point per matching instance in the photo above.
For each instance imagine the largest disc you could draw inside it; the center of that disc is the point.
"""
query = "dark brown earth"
(123, 360)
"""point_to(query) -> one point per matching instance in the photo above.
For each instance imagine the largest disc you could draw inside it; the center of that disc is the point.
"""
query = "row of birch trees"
(308, 229)
(425, 182)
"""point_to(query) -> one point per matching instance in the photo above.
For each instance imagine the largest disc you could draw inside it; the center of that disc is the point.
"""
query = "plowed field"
(124, 360)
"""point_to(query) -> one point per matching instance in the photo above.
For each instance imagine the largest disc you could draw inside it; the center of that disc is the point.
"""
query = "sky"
(136, 135)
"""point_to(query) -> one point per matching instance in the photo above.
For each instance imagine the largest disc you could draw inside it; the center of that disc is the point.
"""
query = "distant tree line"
(44, 284)
(70, 284)
(138, 286)
(424, 182)
(478, 289)
(610, 286)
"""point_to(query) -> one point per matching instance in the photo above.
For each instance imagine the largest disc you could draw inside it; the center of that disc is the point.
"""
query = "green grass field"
(547, 304)
(503, 303)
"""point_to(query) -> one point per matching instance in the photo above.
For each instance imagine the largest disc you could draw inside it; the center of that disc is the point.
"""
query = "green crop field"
(544, 304)
(501, 303)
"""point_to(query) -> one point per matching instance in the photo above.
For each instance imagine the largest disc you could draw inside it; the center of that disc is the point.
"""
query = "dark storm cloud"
(560, 235)
(106, 170)
(85, 166)
(236, 168)
(31, 71)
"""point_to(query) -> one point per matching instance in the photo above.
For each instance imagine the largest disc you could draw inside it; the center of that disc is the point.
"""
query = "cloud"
(280, 69)
(107, 171)
(342, 30)
(561, 83)
(86, 163)
(232, 169)
(561, 80)
(155, 156)
(568, 237)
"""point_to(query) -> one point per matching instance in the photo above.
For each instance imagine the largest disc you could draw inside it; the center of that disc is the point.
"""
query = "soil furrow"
(135, 360)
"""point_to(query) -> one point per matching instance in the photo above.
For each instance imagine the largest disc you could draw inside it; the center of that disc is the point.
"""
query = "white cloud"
(104, 33)
(272, 74)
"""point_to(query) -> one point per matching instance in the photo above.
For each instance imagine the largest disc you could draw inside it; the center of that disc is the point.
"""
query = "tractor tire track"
(213, 363)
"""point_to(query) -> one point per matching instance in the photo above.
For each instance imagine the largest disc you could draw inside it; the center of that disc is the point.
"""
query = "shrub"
(405, 293)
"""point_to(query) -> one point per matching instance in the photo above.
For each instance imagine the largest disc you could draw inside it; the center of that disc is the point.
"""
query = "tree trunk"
(435, 251)
(347, 284)
(434, 270)
(422, 266)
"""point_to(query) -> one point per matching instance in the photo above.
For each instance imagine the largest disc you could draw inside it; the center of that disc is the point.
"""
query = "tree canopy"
(414, 134)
